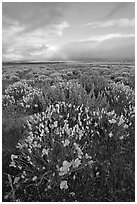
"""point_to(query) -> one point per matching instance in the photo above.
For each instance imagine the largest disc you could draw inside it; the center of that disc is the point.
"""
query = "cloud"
(110, 46)
(19, 43)
(123, 22)
(33, 15)
(30, 53)
(119, 7)
(101, 38)
(60, 27)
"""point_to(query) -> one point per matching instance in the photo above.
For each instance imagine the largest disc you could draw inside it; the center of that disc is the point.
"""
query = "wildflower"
(13, 164)
(125, 126)
(14, 157)
(80, 134)
(35, 144)
(110, 134)
(65, 168)
(121, 138)
(121, 120)
(48, 187)
(29, 139)
(97, 174)
(34, 178)
(55, 123)
(96, 124)
(87, 156)
(76, 163)
(46, 129)
(66, 143)
(64, 185)
(78, 150)
(111, 113)
(112, 121)
(39, 145)
(28, 158)
(42, 133)
(90, 162)
(72, 193)
(44, 152)
(22, 176)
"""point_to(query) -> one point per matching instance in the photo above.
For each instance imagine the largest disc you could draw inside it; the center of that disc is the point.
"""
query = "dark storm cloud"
(119, 6)
(33, 15)
(67, 30)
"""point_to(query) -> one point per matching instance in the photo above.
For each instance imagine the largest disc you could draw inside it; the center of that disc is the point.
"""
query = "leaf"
(34, 178)
(16, 180)
(7, 196)
(10, 179)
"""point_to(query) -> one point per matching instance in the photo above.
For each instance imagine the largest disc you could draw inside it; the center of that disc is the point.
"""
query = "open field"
(68, 131)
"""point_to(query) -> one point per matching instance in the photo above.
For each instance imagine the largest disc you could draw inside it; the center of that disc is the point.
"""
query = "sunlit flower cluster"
(17, 91)
(31, 99)
(22, 94)
(120, 93)
(60, 142)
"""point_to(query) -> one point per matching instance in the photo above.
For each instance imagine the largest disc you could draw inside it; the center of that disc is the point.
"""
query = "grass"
(97, 102)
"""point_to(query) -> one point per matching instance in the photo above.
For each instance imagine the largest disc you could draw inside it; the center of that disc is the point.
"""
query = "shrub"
(73, 154)
(88, 81)
(34, 102)
(14, 78)
(120, 97)
(22, 94)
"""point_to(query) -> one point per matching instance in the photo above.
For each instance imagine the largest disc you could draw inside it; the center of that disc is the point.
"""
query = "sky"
(33, 31)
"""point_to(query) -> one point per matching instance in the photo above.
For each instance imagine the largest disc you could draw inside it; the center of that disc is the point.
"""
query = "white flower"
(29, 139)
(110, 134)
(34, 178)
(44, 151)
(65, 168)
(91, 162)
(79, 152)
(125, 126)
(121, 120)
(42, 133)
(80, 134)
(112, 121)
(87, 156)
(35, 144)
(66, 143)
(14, 157)
(121, 138)
(13, 164)
(63, 185)
(76, 163)
(55, 123)
(96, 124)
(111, 113)
(46, 129)
(72, 193)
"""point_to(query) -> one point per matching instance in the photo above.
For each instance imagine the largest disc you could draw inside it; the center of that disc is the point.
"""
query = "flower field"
(68, 132)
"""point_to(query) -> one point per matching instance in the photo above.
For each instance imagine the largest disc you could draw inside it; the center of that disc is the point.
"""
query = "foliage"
(120, 97)
(67, 149)
(68, 133)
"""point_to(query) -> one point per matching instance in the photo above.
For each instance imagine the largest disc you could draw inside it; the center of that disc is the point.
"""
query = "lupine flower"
(64, 185)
